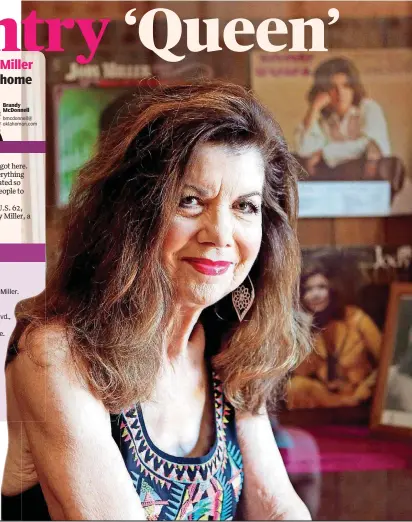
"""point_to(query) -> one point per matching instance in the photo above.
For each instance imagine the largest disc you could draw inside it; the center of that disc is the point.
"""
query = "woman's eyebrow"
(251, 194)
(199, 190)
(204, 192)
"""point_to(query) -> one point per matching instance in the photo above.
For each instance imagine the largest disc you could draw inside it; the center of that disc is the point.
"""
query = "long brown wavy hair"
(109, 288)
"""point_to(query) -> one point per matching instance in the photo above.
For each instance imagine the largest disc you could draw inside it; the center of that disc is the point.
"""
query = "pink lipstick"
(207, 266)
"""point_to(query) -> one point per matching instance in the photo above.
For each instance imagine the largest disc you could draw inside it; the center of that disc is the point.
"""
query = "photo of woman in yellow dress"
(342, 369)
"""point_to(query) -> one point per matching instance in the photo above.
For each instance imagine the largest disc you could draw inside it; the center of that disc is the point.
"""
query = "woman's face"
(341, 93)
(316, 293)
(216, 233)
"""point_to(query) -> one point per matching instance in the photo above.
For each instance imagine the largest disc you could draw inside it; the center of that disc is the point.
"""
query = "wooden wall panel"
(307, 9)
(315, 232)
(359, 231)
(398, 230)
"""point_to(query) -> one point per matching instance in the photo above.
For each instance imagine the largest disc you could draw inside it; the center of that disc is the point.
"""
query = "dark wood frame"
(397, 291)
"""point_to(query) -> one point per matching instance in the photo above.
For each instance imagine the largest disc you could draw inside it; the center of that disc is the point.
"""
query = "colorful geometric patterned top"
(175, 488)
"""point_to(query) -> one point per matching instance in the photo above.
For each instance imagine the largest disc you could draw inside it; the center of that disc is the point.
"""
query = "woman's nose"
(217, 228)
(340, 91)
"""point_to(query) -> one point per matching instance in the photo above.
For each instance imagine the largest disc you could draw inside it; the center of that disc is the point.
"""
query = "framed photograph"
(339, 119)
(78, 111)
(392, 406)
(345, 293)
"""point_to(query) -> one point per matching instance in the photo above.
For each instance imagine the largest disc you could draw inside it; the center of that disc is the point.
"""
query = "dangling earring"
(242, 299)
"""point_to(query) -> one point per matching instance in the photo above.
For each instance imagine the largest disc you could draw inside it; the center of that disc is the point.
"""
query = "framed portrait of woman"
(344, 293)
(392, 406)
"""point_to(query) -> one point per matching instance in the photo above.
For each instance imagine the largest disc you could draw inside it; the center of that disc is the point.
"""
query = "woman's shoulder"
(370, 105)
(44, 377)
(352, 311)
(354, 315)
(44, 344)
(43, 361)
(40, 347)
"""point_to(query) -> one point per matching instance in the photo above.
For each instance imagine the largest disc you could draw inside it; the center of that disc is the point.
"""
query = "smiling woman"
(167, 325)
(217, 229)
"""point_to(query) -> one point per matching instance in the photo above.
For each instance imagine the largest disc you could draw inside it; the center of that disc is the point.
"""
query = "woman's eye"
(247, 207)
(189, 201)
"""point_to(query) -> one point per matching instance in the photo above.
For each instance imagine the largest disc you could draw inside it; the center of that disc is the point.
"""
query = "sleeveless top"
(169, 488)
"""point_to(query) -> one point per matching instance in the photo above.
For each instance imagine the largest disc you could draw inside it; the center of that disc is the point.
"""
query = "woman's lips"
(317, 304)
(207, 266)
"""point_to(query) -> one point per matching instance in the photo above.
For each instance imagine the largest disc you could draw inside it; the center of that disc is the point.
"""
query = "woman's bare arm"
(267, 492)
(78, 463)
